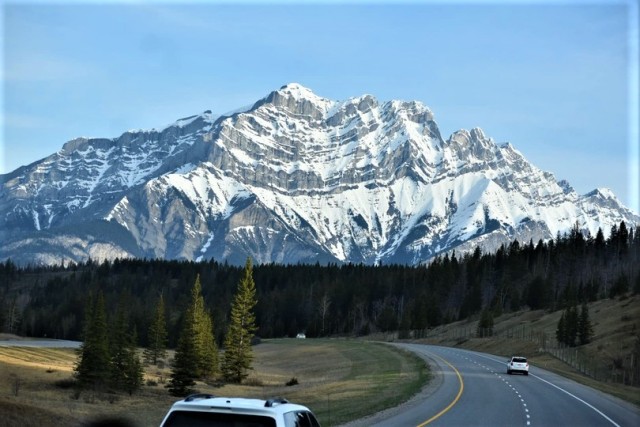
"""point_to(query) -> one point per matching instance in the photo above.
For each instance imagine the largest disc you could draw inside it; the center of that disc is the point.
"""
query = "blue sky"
(557, 79)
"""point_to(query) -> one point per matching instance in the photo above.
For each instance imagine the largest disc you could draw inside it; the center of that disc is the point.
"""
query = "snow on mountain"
(294, 178)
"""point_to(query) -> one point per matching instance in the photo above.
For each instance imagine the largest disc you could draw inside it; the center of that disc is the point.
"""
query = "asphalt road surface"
(473, 389)
(40, 343)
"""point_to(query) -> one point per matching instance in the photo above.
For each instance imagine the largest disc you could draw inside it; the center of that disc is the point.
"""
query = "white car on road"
(518, 364)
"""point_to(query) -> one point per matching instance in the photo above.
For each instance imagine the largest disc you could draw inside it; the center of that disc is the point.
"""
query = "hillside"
(610, 362)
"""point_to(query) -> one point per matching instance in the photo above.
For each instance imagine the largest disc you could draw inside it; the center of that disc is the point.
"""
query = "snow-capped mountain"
(294, 178)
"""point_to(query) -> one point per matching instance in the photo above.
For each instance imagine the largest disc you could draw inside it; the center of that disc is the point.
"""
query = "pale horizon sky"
(557, 79)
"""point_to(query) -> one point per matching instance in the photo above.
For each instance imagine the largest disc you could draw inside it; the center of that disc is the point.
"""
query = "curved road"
(475, 390)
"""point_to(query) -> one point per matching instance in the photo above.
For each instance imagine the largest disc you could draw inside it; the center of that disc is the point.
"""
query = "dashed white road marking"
(524, 405)
(564, 391)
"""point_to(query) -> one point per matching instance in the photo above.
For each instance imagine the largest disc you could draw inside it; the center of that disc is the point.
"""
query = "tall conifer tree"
(561, 329)
(572, 325)
(485, 324)
(242, 326)
(204, 343)
(126, 369)
(208, 365)
(94, 363)
(185, 364)
(197, 354)
(157, 348)
(585, 329)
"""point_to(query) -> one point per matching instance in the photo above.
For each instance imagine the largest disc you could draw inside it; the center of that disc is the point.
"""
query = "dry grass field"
(340, 380)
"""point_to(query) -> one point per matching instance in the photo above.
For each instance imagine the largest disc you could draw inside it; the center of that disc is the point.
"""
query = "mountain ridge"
(294, 178)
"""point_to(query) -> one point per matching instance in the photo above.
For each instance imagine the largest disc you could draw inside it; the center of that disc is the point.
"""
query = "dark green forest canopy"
(329, 299)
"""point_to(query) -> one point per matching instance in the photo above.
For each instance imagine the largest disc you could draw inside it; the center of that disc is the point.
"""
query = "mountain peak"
(74, 145)
(299, 94)
(465, 137)
(297, 90)
(294, 178)
(297, 99)
(604, 193)
(478, 133)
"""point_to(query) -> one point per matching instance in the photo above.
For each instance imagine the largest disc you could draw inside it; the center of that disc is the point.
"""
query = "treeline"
(329, 300)
(108, 359)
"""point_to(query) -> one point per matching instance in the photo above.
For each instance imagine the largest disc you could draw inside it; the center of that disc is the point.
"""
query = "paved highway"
(473, 389)
(40, 343)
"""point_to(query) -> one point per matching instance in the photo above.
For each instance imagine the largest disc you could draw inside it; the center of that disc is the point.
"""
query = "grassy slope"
(340, 380)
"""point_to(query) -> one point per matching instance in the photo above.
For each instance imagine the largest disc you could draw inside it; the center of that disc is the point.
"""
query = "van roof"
(208, 403)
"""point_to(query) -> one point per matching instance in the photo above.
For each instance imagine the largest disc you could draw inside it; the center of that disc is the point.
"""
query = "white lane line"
(524, 405)
(562, 390)
(578, 399)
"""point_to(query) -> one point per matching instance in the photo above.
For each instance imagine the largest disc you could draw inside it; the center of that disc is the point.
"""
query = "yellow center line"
(445, 410)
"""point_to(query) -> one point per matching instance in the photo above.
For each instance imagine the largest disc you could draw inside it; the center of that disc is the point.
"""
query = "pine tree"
(600, 243)
(118, 345)
(585, 329)
(237, 344)
(623, 239)
(126, 369)
(94, 363)
(571, 325)
(485, 325)
(134, 373)
(204, 343)
(620, 286)
(157, 348)
(208, 357)
(196, 355)
(185, 364)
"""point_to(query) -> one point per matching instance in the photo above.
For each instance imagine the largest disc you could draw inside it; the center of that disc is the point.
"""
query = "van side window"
(300, 419)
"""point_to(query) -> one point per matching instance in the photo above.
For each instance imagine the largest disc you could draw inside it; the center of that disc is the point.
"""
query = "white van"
(207, 410)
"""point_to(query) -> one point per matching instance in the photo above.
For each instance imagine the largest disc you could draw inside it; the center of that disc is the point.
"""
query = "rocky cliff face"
(295, 178)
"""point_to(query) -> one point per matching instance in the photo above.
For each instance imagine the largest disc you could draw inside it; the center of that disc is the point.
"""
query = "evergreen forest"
(325, 300)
